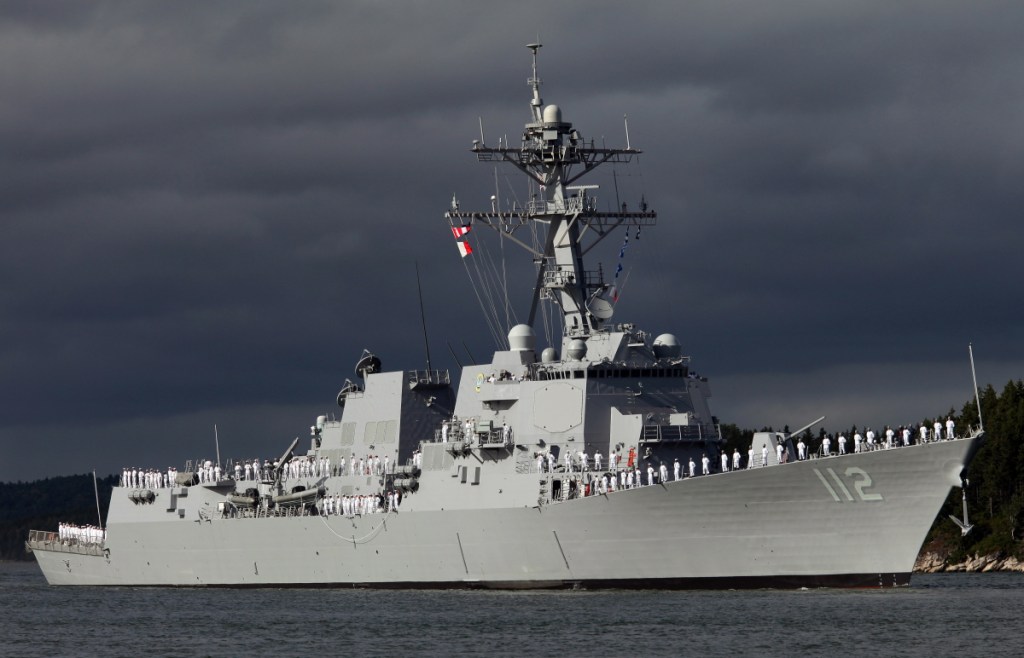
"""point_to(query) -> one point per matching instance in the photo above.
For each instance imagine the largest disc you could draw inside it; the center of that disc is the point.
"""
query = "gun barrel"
(807, 426)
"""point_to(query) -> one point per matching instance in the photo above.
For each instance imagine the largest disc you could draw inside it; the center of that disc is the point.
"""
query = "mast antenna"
(466, 347)
(423, 317)
(534, 82)
(216, 442)
(625, 121)
(454, 355)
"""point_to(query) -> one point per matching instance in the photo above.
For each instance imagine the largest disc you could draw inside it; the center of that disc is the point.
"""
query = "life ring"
(479, 381)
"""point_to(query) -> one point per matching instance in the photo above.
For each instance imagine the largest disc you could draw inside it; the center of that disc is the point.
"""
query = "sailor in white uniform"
(778, 452)
(693, 468)
(937, 431)
(725, 462)
(663, 472)
(801, 450)
(676, 467)
(826, 446)
(735, 459)
(856, 441)
(764, 455)
(705, 465)
(950, 427)
(650, 475)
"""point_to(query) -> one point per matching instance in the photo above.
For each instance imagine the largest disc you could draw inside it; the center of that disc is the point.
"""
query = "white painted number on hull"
(856, 476)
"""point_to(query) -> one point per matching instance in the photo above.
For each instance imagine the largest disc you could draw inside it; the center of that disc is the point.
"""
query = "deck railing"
(43, 540)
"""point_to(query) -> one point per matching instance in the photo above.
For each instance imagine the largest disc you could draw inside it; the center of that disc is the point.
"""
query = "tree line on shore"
(995, 494)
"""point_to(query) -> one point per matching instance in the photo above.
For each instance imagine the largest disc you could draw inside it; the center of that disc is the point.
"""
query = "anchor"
(965, 525)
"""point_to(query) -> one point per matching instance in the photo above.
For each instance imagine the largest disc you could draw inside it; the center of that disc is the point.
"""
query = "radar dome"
(521, 338)
(552, 114)
(549, 355)
(577, 349)
(667, 347)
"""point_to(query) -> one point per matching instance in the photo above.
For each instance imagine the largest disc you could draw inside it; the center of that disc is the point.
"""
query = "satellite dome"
(577, 349)
(667, 347)
(521, 338)
(552, 114)
(549, 355)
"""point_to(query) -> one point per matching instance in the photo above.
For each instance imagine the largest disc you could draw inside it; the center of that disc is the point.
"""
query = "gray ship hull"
(851, 521)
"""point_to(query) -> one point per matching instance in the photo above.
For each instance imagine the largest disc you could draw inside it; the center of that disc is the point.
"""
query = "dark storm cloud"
(209, 209)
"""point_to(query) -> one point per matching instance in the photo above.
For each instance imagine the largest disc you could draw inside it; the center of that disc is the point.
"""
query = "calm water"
(940, 615)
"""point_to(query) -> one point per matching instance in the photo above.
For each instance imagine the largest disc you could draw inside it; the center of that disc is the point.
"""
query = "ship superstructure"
(595, 462)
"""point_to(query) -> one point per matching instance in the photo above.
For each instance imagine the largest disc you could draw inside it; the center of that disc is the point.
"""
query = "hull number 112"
(857, 478)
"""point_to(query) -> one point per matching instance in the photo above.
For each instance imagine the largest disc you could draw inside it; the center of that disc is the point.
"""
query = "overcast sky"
(208, 209)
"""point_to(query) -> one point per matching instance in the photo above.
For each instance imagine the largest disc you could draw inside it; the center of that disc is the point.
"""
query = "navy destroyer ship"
(593, 462)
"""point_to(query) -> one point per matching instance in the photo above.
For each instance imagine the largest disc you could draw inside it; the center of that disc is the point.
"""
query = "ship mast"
(554, 155)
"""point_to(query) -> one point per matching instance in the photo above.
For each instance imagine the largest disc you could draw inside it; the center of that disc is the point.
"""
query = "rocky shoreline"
(936, 563)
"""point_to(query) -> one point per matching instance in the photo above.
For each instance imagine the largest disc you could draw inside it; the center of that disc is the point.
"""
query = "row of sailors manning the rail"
(630, 475)
(580, 461)
(79, 535)
(298, 468)
(338, 505)
(902, 436)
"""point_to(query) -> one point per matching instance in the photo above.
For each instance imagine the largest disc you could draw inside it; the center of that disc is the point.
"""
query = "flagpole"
(977, 395)
(96, 489)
